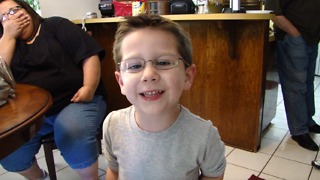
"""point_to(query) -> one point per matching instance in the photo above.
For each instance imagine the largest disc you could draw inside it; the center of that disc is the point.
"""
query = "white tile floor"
(278, 158)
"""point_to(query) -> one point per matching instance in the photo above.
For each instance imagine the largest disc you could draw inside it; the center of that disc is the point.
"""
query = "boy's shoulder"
(195, 123)
(186, 114)
(124, 110)
(118, 115)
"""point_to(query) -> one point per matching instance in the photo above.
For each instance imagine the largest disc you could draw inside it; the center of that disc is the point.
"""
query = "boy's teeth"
(152, 92)
(149, 93)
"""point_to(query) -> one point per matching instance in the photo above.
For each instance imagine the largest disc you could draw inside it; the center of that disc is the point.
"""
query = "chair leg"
(99, 138)
(48, 148)
(100, 146)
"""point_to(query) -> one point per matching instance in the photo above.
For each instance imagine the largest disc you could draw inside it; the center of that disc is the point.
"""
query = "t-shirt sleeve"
(214, 163)
(275, 6)
(74, 40)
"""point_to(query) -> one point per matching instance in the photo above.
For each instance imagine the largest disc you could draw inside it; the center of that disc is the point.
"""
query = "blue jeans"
(75, 129)
(296, 66)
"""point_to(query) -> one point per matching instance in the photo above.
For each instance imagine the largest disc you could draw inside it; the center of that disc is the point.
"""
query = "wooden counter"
(230, 52)
(189, 17)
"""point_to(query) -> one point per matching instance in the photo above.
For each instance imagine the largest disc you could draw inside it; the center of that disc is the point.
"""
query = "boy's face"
(153, 91)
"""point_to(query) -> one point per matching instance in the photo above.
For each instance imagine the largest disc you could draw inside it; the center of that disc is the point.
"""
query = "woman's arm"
(91, 79)
(7, 46)
(111, 174)
(283, 23)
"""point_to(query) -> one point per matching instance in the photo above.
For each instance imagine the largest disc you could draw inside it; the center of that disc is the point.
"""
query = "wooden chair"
(49, 145)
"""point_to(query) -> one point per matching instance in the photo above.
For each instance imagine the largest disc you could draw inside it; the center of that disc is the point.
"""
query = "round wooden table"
(22, 116)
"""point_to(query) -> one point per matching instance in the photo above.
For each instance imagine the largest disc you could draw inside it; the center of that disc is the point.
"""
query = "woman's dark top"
(54, 60)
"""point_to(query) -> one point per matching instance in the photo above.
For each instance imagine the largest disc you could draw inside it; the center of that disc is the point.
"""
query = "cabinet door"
(228, 86)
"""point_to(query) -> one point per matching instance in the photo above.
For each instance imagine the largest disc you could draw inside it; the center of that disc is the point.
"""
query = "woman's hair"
(134, 23)
(36, 18)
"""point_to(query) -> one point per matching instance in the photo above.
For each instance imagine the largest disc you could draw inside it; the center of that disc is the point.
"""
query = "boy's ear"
(190, 73)
(119, 80)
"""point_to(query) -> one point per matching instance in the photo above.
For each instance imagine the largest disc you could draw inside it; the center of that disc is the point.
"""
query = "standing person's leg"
(313, 53)
(76, 128)
(293, 64)
(23, 160)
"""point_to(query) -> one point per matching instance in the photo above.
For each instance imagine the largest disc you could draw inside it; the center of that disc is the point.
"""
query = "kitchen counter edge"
(187, 17)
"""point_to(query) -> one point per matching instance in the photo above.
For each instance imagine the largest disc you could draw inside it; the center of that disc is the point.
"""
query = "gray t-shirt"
(190, 146)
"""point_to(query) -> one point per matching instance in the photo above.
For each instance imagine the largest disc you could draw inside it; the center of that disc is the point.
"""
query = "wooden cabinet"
(229, 51)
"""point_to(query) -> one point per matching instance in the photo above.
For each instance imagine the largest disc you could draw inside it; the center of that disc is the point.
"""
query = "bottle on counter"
(215, 6)
(138, 7)
(234, 5)
(202, 6)
(245, 4)
(159, 7)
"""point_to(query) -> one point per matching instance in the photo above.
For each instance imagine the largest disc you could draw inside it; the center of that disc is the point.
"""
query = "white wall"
(318, 62)
(71, 9)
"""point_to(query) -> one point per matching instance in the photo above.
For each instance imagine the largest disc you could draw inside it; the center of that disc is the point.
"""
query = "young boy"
(157, 138)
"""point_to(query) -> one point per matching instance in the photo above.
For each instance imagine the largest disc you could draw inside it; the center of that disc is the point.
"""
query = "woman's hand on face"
(14, 25)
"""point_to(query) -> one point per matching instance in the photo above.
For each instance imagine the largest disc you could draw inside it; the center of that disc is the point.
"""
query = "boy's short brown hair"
(134, 23)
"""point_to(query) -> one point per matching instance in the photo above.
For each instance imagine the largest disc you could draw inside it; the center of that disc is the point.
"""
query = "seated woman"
(55, 54)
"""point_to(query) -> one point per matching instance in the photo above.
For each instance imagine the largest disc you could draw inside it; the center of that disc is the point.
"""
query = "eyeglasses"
(134, 65)
(11, 11)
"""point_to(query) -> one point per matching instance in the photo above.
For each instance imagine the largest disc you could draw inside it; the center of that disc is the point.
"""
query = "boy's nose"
(149, 73)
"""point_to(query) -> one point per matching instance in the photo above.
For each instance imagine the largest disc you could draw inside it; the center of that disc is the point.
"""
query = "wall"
(318, 62)
(71, 9)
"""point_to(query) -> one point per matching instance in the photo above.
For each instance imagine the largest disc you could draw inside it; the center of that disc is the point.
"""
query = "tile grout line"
(273, 155)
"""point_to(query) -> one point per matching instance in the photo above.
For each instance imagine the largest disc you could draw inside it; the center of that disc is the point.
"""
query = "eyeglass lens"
(11, 11)
(160, 63)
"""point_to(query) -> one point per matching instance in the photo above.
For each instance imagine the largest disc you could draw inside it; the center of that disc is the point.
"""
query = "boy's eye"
(134, 66)
(163, 62)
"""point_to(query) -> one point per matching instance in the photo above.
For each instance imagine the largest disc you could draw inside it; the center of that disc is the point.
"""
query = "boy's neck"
(156, 123)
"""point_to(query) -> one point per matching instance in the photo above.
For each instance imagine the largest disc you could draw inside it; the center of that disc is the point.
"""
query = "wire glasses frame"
(134, 65)
(12, 11)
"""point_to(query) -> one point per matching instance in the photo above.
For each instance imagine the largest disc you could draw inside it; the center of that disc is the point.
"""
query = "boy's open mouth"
(151, 93)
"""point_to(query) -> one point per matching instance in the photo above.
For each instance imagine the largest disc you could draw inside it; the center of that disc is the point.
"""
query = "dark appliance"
(106, 8)
(181, 7)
